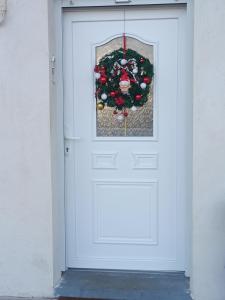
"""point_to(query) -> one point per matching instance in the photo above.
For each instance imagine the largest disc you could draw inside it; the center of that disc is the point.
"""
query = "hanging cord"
(124, 20)
(124, 56)
(124, 34)
(124, 45)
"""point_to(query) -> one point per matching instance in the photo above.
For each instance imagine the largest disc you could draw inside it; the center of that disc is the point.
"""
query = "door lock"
(67, 149)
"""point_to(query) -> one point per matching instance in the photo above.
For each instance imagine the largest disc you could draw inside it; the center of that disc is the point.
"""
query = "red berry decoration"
(103, 79)
(115, 112)
(138, 97)
(125, 114)
(120, 101)
(147, 80)
(142, 60)
(113, 94)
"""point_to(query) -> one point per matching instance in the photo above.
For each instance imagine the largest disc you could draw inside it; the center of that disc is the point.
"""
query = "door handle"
(68, 145)
(72, 138)
(122, 1)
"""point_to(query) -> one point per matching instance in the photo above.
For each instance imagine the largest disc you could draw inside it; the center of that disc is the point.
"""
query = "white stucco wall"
(208, 281)
(26, 260)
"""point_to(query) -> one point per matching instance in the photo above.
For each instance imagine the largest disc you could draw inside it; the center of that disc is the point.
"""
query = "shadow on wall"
(3, 9)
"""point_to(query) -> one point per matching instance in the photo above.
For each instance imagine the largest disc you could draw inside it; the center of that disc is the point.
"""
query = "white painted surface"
(208, 282)
(57, 138)
(26, 242)
(88, 3)
(127, 218)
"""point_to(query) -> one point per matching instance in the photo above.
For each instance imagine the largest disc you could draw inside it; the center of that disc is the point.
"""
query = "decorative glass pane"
(131, 121)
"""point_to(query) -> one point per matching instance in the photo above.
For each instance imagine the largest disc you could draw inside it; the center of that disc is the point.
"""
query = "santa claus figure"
(124, 83)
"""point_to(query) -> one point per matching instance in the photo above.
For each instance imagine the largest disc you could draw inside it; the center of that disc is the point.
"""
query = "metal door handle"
(73, 138)
(122, 1)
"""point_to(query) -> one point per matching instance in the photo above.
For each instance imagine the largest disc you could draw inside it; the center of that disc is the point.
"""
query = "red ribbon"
(124, 45)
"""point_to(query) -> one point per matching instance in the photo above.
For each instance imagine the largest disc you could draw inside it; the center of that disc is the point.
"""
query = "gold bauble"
(100, 106)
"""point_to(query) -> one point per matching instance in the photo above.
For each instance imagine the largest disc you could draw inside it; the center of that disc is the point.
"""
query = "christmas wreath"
(123, 80)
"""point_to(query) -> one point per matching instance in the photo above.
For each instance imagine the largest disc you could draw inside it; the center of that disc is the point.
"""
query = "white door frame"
(57, 109)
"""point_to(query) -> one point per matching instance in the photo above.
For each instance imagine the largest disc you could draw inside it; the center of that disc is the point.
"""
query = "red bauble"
(125, 114)
(103, 79)
(138, 97)
(147, 80)
(142, 60)
(113, 94)
(120, 101)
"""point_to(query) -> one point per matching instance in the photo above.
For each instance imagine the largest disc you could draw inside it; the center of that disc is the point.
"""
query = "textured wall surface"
(209, 151)
(26, 263)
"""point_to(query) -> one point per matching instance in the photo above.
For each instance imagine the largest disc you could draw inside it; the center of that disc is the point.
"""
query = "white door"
(125, 190)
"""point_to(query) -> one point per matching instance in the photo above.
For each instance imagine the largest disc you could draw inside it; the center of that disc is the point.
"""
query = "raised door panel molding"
(145, 160)
(104, 160)
(115, 217)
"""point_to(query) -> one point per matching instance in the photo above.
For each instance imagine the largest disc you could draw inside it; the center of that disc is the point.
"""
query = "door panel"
(122, 206)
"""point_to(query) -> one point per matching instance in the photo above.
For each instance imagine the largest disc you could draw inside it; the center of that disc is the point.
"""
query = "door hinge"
(53, 60)
(3, 9)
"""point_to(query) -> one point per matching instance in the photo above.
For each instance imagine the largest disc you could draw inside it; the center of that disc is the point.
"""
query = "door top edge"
(114, 3)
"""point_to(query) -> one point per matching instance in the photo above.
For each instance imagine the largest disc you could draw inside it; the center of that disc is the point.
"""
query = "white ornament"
(120, 118)
(104, 96)
(123, 61)
(143, 85)
(135, 71)
(97, 75)
(133, 108)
